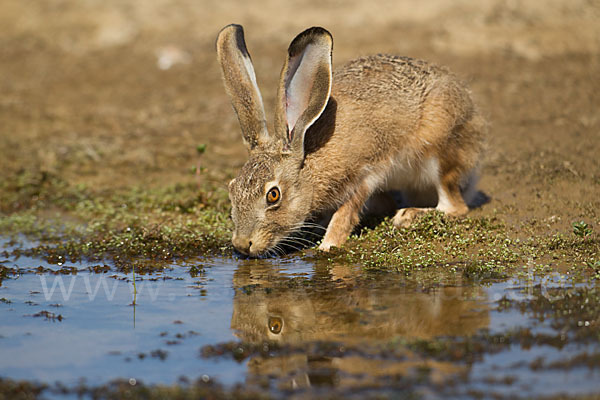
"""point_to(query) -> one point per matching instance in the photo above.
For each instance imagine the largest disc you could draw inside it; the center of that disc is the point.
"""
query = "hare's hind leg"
(405, 216)
(461, 144)
(449, 201)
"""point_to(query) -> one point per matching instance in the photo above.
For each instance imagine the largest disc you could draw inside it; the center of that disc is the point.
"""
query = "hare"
(377, 124)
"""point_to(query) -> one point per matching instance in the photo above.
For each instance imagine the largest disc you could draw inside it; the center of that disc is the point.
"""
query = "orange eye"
(273, 195)
(275, 325)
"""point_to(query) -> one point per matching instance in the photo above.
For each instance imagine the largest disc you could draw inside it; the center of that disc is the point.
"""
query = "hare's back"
(393, 92)
(388, 77)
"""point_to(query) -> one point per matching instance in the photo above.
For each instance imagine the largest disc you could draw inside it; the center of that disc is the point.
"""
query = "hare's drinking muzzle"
(245, 246)
(241, 244)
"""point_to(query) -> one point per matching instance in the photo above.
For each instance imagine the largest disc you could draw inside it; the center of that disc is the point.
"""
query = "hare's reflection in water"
(343, 305)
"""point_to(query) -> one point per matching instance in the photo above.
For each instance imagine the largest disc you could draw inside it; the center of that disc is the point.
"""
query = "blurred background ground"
(118, 93)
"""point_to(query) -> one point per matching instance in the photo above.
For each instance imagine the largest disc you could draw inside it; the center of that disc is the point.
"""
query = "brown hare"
(377, 124)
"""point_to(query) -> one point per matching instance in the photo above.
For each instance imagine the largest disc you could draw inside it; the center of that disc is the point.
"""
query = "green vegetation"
(153, 223)
(480, 247)
(436, 240)
(581, 229)
(74, 221)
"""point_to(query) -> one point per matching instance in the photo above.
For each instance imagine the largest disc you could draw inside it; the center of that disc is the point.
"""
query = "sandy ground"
(115, 93)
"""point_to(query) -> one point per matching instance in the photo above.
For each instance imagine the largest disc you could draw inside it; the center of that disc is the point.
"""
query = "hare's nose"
(241, 244)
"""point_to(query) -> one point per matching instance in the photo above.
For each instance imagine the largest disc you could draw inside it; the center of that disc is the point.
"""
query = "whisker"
(302, 241)
(275, 250)
(290, 244)
(299, 239)
(313, 225)
(308, 224)
(302, 230)
(280, 250)
(294, 241)
(310, 233)
(308, 228)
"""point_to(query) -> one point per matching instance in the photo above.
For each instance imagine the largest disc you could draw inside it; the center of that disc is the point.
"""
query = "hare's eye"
(273, 195)
(275, 325)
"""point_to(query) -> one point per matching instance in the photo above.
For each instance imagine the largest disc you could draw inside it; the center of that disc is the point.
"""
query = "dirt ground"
(117, 93)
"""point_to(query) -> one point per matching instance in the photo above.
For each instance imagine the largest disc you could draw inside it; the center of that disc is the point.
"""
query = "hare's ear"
(240, 84)
(304, 86)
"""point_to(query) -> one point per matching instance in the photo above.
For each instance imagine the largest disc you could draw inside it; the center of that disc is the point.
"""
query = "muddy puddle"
(293, 326)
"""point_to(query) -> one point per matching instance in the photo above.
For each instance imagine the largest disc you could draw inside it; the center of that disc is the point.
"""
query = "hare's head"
(271, 197)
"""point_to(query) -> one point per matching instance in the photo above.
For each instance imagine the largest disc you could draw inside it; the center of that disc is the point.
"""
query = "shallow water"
(294, 326)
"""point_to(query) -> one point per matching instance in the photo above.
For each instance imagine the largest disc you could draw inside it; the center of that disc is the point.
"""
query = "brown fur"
(382, 122)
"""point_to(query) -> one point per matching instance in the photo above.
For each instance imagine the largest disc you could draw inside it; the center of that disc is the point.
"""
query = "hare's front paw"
(326, 245)
(406, 216)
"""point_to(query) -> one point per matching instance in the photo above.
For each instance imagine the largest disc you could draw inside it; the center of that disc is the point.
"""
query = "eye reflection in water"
(275, 325)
